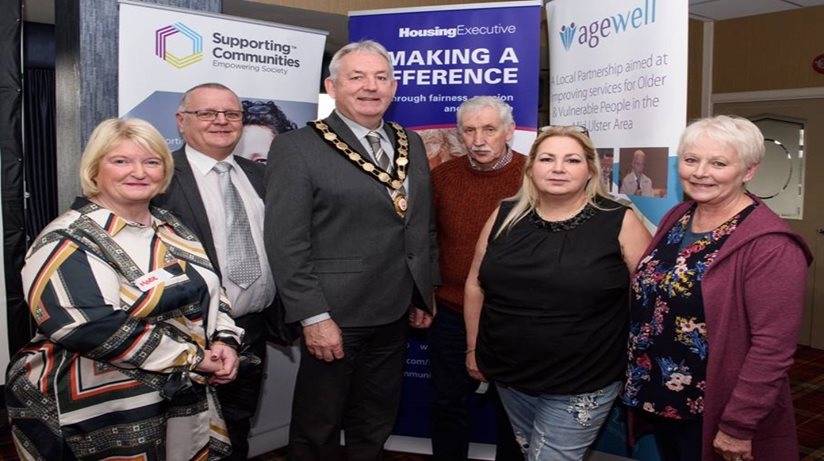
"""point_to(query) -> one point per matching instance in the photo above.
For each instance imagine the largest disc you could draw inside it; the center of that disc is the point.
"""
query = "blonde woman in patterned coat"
(133, 332)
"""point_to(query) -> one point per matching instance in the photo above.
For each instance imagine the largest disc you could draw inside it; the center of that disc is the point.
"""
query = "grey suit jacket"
(334, 241)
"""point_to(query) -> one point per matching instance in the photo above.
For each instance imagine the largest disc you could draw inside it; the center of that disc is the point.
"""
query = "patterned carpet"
(807, 377)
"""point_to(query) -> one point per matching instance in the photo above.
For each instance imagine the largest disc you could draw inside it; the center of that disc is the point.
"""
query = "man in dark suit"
(206, 174)
(351, 241)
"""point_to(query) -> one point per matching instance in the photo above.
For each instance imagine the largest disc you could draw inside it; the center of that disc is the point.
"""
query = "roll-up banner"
(443, 56)
(274, 69)
(619, 68)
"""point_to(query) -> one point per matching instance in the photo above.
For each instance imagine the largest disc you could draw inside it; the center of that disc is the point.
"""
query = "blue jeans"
(557, 427)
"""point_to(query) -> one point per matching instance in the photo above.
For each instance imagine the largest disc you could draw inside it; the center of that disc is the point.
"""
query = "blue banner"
(445, 56)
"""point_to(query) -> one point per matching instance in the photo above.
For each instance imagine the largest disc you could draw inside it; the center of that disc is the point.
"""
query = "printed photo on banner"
(643, 171)
(442, 145)
(262, 121)
(606, 158)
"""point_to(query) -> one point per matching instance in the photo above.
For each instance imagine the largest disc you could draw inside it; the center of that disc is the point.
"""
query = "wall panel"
(768, 52)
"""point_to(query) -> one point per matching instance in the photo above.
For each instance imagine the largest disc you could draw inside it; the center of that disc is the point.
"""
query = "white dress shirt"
(261, 292)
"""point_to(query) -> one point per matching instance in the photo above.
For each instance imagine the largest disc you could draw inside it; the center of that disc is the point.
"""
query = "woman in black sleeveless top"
(546, 298)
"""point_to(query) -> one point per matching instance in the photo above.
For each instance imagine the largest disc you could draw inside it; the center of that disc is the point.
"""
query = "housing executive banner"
(443, 56)
(619, 68)
(274, 69)
(447, 54)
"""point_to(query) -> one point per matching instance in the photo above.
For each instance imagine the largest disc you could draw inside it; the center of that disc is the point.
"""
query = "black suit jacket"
(334, 241)
(184, 200)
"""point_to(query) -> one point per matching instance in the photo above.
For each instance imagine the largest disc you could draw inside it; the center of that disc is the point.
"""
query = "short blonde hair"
(107, 135)
(527, 198)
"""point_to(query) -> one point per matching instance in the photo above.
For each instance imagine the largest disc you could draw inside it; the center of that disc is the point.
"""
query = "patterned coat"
(124, 313)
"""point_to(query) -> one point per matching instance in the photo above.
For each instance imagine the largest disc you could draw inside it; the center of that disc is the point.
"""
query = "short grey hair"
(363, 46)
(737, 133)
(480, 102)
(184, 100)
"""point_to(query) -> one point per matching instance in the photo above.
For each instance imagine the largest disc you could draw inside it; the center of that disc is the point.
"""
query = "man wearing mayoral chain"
(351, 241)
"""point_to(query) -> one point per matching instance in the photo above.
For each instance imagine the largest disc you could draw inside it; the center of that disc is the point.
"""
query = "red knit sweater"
(464, 199)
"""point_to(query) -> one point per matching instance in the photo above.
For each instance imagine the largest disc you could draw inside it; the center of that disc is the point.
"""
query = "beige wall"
(694, 68)
(768, 52)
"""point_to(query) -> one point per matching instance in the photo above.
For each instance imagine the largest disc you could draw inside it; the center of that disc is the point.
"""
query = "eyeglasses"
(577, 128)
(208, 115)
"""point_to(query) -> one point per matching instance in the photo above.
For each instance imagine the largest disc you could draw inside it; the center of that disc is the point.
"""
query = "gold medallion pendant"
(399, 200)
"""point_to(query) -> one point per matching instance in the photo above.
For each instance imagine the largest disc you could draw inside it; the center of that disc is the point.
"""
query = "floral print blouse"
(667, 347)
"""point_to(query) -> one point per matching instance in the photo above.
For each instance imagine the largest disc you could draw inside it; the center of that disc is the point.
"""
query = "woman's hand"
(732, 449)
(472, 367)
(207, 365)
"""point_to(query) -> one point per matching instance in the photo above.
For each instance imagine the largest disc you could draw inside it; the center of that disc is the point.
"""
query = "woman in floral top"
(716, 306)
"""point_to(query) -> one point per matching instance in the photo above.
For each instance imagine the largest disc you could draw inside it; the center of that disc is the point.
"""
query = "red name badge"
(152, 279)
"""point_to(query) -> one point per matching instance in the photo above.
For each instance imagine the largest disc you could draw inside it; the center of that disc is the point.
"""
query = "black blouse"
(555, 315)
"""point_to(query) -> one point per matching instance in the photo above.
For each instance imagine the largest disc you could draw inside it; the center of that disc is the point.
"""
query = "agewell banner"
(447, 54)
(274, 69)
(619, 68)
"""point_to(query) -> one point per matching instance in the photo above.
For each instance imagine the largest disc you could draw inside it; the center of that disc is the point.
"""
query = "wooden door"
(808, 114)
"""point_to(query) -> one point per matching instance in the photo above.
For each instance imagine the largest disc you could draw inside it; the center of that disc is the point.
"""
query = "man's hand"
(324, 341)
(419, 318)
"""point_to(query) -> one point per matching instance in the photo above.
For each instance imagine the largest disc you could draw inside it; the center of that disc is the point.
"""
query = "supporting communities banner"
(274, 69)
(443, 56)
(619, 68)
(447, 54)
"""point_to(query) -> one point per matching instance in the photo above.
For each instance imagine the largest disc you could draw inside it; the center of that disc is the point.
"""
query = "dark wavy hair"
(268, 114)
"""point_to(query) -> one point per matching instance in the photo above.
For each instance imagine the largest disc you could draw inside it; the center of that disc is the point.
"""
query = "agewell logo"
(567, 34)
(188, 41)
(591, 34)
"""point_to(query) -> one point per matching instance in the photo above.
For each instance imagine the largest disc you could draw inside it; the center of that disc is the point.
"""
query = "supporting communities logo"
(591, 34)
(192, 41)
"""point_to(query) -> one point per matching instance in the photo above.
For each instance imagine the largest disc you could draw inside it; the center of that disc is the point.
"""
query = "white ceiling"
(716, 10)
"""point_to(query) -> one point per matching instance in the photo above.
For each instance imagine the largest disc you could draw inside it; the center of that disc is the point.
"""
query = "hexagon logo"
(191, 39)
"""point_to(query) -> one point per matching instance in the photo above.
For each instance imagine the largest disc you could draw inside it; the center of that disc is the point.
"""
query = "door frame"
(813, 320)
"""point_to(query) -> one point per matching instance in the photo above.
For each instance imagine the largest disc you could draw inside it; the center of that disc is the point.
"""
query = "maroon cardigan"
(753, 296)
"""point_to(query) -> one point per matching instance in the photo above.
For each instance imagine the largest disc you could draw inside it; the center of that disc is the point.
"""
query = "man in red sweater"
(466, 191)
